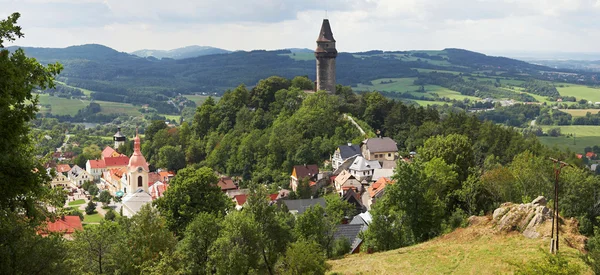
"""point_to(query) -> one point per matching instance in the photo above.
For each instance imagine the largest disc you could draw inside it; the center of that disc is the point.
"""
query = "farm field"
(108, 107)
(84, 91)
(584, 136)
(300, 56)
(61, 106)
(579, 91)
(580, 112)
(199, 99)
(426, 102)
(406, 85)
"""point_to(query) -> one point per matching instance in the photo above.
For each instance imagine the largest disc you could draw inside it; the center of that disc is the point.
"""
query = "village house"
(345, 181)
(377, 190)
(59, 179)
(363, 169)
(350, 232)
(342, 153)
(302, 172)
(77, 176)
(297, 207)
(226, 184)
(380, 148)
(65, 225)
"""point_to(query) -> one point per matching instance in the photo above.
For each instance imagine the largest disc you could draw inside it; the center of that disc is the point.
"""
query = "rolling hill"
(180, 53)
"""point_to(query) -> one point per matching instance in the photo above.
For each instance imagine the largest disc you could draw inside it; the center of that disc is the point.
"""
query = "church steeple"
(326, 53)
(138, 168)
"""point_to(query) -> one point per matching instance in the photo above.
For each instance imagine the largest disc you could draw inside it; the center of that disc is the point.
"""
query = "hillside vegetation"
(477, 249)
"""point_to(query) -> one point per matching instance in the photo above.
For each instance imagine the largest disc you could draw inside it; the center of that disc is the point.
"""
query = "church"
(132, 180)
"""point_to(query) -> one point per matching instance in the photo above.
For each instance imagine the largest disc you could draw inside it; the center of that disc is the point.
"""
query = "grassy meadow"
(580, 112)
(61, 106)
(584, 136)
(579, 91)
(471, 250)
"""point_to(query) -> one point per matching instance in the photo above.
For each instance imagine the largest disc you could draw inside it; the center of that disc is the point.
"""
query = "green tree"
(104, 197)
(389, 228)
(90, 208)
(153, 128)
(93, 190)
(533, 176)
(194, 248)
(337, 209)
(146, 239)
(92, 152)
(192, 191)
(94, 250)
(303, 83)
(235, 251)
(274, 227)
(170, 157)
(454, 149)
(303, 257)
(412, 195)
(314, 226)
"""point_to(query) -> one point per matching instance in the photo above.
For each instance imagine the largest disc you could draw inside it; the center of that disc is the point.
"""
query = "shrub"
(90, 208)
(110, 215)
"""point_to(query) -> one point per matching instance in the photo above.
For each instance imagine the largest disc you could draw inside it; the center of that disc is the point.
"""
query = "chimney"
(349, 143)
(311, 197)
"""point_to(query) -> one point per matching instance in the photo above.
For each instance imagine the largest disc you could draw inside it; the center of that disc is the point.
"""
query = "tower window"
(140, 181)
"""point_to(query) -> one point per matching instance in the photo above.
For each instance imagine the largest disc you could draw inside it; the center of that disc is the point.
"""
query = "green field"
(584, 136)
(300, 56)
(61, 106)
(199, 99)
(84, 91)
(579, 92)
(406, 85)
(580, 112)
(108, 107)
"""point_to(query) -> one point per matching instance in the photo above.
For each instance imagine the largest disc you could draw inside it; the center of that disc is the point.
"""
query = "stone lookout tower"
(326, 54)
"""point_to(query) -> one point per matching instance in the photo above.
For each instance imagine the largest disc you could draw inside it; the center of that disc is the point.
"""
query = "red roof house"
(66, 225)
(62, 168)
(226, 183)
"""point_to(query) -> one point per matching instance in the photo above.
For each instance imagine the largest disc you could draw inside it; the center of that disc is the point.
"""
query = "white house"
(362, 168)
(342, 153)
(78, 176)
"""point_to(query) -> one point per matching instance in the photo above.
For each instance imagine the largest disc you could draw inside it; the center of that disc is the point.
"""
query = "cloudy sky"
(488, 26)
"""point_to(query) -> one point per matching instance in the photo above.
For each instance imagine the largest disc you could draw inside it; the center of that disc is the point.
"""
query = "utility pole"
(558, 165)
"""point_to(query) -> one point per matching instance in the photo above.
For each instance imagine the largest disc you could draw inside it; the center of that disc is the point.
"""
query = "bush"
(341, 247)
(110, 215)
(86, 185)
(90, 208)
(456, 220)
(554, 132)
(75, 212)
(552, 264)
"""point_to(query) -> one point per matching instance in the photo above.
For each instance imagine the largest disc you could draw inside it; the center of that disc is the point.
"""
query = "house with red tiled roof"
(590, 155)
(66, 225)
(240, 200)
(377, 189)
(110, 159)
(301, 172)
(226, 184)
(63, 168)
(157, 189)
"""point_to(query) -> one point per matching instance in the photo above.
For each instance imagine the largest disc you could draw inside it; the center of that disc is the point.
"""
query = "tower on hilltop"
(326, 54)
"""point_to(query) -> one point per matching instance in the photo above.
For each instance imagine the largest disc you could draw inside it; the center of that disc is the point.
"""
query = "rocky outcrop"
(525, 218)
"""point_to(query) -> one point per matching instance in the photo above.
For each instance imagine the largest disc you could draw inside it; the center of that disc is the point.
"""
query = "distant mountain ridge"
(180, 53)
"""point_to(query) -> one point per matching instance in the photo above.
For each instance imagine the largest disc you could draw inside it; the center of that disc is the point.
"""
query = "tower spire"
(325, 54)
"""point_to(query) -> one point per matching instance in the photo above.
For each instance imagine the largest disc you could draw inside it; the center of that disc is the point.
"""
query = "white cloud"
(482, 25)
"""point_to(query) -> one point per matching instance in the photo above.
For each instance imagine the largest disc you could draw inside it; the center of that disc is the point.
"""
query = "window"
(389, 154)
(140, 181)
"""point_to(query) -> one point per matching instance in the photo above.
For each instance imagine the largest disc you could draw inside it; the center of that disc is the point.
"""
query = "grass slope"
(580, 112)
(61, 106)
(473, 250)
